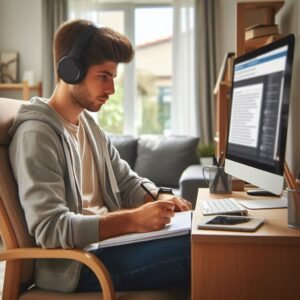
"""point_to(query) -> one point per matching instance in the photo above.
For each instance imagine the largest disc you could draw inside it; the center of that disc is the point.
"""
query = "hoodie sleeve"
(38, 163)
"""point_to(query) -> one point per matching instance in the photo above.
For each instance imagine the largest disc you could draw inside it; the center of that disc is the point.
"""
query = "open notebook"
(180, 225)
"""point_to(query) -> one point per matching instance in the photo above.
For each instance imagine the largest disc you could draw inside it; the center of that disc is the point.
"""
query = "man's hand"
(180, 203)
(153, 215)
(148, 217)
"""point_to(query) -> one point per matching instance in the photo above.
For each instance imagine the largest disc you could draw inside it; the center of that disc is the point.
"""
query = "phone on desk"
(229, 222)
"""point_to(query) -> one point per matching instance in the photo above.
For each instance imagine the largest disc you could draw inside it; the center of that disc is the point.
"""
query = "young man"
(74, 188)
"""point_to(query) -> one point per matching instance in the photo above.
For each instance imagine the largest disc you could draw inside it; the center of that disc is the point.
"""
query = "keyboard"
(222, 206)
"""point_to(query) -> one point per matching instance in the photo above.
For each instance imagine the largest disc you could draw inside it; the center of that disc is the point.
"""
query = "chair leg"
(12, 279)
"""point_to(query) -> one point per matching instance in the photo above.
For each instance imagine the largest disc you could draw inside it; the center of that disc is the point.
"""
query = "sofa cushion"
(126, 146)
(162, 159)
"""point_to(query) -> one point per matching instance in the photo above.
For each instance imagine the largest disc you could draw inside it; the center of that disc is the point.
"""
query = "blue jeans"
(157, 264)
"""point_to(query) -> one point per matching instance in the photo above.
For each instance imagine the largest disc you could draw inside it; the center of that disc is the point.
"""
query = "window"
(154, 67)
(142, 101)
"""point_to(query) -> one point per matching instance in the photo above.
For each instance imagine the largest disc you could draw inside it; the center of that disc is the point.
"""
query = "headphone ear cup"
(71, 69)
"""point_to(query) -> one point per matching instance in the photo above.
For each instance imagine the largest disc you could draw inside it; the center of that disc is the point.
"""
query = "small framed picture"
(9, 63)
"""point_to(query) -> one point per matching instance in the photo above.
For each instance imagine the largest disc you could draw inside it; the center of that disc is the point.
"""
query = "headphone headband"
(82, 40)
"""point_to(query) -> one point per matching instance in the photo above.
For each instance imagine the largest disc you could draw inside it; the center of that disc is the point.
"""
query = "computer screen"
(255, 149)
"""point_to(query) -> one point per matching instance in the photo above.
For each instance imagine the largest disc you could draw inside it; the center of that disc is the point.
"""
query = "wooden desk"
(235, 265)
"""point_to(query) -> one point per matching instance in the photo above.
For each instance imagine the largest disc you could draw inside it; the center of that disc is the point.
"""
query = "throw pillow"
(126, 146)
(163, 159)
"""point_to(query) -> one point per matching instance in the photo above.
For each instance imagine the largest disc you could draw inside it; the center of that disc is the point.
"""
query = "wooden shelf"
(251, 13)
(222, 103)
(22, 86)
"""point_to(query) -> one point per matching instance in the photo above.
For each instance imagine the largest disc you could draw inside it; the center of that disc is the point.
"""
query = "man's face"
(97, 86)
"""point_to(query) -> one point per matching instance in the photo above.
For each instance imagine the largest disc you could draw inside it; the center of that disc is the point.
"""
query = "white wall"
(226, 28)
(21, 30)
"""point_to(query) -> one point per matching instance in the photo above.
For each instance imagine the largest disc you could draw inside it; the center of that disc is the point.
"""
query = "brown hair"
(105, 45)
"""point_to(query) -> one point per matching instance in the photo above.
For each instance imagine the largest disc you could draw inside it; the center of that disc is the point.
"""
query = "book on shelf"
(180, 224)
(260, 30)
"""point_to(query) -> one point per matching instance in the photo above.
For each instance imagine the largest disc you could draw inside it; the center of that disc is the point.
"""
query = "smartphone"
(226, 222)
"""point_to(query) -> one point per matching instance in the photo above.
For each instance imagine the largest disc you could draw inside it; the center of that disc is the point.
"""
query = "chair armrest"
(190, 181)
(82, 256)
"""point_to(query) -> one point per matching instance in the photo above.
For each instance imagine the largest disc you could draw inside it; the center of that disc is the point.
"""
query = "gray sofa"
(169, 161)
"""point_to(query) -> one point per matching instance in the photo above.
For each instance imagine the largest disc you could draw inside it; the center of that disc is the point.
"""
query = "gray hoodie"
(47, 169)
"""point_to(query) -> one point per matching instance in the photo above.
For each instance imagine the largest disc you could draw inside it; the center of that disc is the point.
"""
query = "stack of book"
(260, 30)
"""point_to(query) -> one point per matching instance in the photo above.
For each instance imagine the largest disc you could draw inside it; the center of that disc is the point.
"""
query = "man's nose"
(110, 90)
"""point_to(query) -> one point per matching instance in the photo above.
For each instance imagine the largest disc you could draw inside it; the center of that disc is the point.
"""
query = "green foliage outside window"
(111, 115)
(150, 116)
(153, 111)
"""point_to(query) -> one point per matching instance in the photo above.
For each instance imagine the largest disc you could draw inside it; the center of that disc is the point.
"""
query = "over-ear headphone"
(72, 67)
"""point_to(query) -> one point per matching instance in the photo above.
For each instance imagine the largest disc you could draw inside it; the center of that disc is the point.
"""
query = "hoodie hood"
(38, 110)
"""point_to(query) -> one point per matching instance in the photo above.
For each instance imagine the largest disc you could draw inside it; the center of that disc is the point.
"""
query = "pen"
(298, 179)
(220, 159)
(215, 161)
(148, 192)
(289, 177)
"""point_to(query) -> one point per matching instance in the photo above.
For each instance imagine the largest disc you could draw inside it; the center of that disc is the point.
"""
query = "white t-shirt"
(91, 191)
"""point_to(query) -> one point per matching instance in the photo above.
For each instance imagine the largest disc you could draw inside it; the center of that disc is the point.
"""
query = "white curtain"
(83, 9)
(54, 13)
(184, 109)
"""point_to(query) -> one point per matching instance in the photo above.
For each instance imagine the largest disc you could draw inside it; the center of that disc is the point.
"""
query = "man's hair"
(105, 45)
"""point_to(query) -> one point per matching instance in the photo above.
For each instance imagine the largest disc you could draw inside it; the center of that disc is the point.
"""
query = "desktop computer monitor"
(255, 149)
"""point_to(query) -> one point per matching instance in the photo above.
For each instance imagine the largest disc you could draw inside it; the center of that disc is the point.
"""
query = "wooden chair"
(20, 249)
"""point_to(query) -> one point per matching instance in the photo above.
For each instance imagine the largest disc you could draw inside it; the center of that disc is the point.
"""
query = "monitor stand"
(260, 193)
(274, 201)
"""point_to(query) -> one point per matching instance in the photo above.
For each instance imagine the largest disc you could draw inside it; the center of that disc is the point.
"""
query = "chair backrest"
(13, 227)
